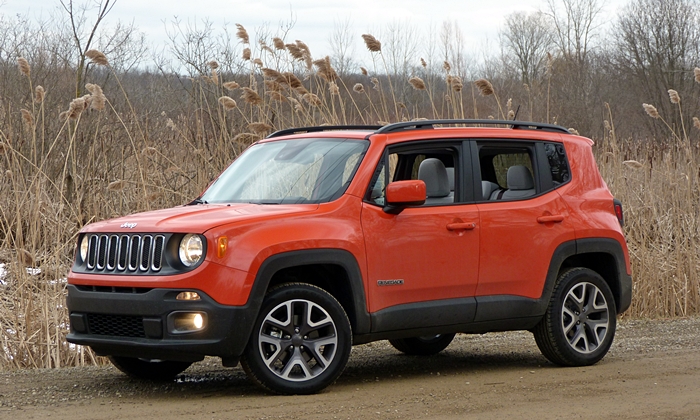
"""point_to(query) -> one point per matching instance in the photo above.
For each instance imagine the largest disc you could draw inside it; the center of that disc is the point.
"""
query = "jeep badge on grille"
(128, 225)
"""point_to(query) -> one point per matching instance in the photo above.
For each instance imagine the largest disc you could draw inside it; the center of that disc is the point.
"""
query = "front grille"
(116, 325)
(125, 253)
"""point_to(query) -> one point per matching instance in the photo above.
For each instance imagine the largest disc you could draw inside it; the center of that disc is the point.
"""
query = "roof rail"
(323, 128)
(429, 124)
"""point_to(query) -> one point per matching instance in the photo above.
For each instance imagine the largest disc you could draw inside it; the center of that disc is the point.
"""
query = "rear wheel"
(423, 345)
(153, 370)
(301, 341)
(579, 325)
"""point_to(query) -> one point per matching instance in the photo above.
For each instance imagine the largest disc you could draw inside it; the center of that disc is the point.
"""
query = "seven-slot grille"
(125, 253)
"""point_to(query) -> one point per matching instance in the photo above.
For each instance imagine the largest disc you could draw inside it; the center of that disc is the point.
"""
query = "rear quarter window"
(558, 163)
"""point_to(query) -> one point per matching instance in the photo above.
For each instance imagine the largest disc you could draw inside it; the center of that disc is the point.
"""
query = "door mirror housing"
(402, 194)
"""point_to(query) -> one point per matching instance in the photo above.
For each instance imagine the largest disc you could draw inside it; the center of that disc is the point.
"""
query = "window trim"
(542, 175)
(463, 150)
(468, 167)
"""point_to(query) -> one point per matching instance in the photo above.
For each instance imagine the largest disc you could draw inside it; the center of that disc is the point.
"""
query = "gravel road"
(652, 371)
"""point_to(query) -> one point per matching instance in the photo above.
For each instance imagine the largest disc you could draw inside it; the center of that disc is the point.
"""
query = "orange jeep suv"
(318, 238)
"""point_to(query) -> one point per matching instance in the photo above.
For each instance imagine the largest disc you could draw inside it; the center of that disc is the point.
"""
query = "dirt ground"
(652, 371)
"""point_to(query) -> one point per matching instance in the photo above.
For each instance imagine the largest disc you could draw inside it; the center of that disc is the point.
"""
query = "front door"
(422, 254)
(425, 253)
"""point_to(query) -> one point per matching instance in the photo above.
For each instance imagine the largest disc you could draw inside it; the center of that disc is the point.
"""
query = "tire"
(579, 325)
(424, 345)
(301, 341)
(152, 370)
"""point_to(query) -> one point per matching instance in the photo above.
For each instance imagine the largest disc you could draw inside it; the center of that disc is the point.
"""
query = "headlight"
(84, 248)
(190, 250)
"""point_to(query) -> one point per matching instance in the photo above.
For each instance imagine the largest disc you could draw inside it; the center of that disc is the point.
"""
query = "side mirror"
(401, 194)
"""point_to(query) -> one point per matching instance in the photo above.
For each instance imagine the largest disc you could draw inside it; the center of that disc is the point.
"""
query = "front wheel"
(423, 345)
(301, 341)
(579, 325)
(152, 370)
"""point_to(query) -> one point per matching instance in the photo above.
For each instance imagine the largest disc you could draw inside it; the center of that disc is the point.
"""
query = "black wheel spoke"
(322, 350)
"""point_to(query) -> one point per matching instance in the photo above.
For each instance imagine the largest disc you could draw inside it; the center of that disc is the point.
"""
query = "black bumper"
(625, 292)
(140, 325)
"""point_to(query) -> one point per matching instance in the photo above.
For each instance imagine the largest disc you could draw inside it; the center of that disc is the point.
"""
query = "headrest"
(432, 172)
(520, 178)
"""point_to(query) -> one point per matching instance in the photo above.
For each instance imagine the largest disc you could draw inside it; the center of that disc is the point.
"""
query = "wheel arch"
(318, 267)
(605, 256)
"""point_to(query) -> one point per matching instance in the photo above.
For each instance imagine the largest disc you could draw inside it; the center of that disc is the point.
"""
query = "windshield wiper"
(197, 201)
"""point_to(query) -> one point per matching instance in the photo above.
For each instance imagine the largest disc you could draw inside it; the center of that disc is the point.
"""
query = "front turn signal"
(222, 244)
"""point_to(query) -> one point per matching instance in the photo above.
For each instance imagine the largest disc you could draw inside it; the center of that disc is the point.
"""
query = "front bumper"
(139, 323)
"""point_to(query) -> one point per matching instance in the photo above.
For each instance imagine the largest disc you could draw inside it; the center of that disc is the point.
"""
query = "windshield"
(289, 171)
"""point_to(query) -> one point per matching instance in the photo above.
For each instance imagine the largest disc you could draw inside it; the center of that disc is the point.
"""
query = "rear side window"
(507, 171)
(558, 164)
(502, 162)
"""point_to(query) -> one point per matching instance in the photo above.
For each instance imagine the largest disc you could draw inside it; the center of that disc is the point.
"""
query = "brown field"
(493, 376)
(97, 139)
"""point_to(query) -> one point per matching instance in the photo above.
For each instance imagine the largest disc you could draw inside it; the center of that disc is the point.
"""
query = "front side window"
(434, 166)
(289, 171)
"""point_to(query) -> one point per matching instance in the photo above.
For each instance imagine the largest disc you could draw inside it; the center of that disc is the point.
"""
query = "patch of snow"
(30, 271)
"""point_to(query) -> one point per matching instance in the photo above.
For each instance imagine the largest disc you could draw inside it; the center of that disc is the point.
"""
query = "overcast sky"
(479, 20)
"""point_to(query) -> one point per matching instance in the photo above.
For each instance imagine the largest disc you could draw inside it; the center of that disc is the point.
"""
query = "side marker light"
(222, 244)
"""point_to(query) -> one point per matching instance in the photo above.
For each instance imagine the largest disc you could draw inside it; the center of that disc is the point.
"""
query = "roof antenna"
(515, 116)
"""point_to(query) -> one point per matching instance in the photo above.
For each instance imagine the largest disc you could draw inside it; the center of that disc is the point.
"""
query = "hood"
(194, 218)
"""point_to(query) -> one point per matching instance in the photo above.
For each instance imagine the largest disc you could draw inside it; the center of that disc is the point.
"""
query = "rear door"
(520, 227)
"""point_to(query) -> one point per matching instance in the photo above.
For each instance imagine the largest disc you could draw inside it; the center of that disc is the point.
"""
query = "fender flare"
(340, 257)
(620, 283)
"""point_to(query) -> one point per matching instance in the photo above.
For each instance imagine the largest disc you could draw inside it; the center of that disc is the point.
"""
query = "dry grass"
(658, 184)
(112, 154)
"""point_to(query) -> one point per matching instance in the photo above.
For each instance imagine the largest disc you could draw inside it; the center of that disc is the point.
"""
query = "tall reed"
(66, 162)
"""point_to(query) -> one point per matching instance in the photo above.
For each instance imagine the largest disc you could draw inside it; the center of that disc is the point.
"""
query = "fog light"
(187, 296)
(198, 321)
(188, 322)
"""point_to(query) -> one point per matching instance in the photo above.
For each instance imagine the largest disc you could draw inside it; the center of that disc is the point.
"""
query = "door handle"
(461, 226)
(555, 218)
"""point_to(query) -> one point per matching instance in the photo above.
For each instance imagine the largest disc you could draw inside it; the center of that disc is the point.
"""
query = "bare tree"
(342, 43)
(576, 23)
(125, 46)
(526, 39)
(192, 45)
(84, 40)
(573, 80)
(657, 47)
(453, 48)
(401, 41)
